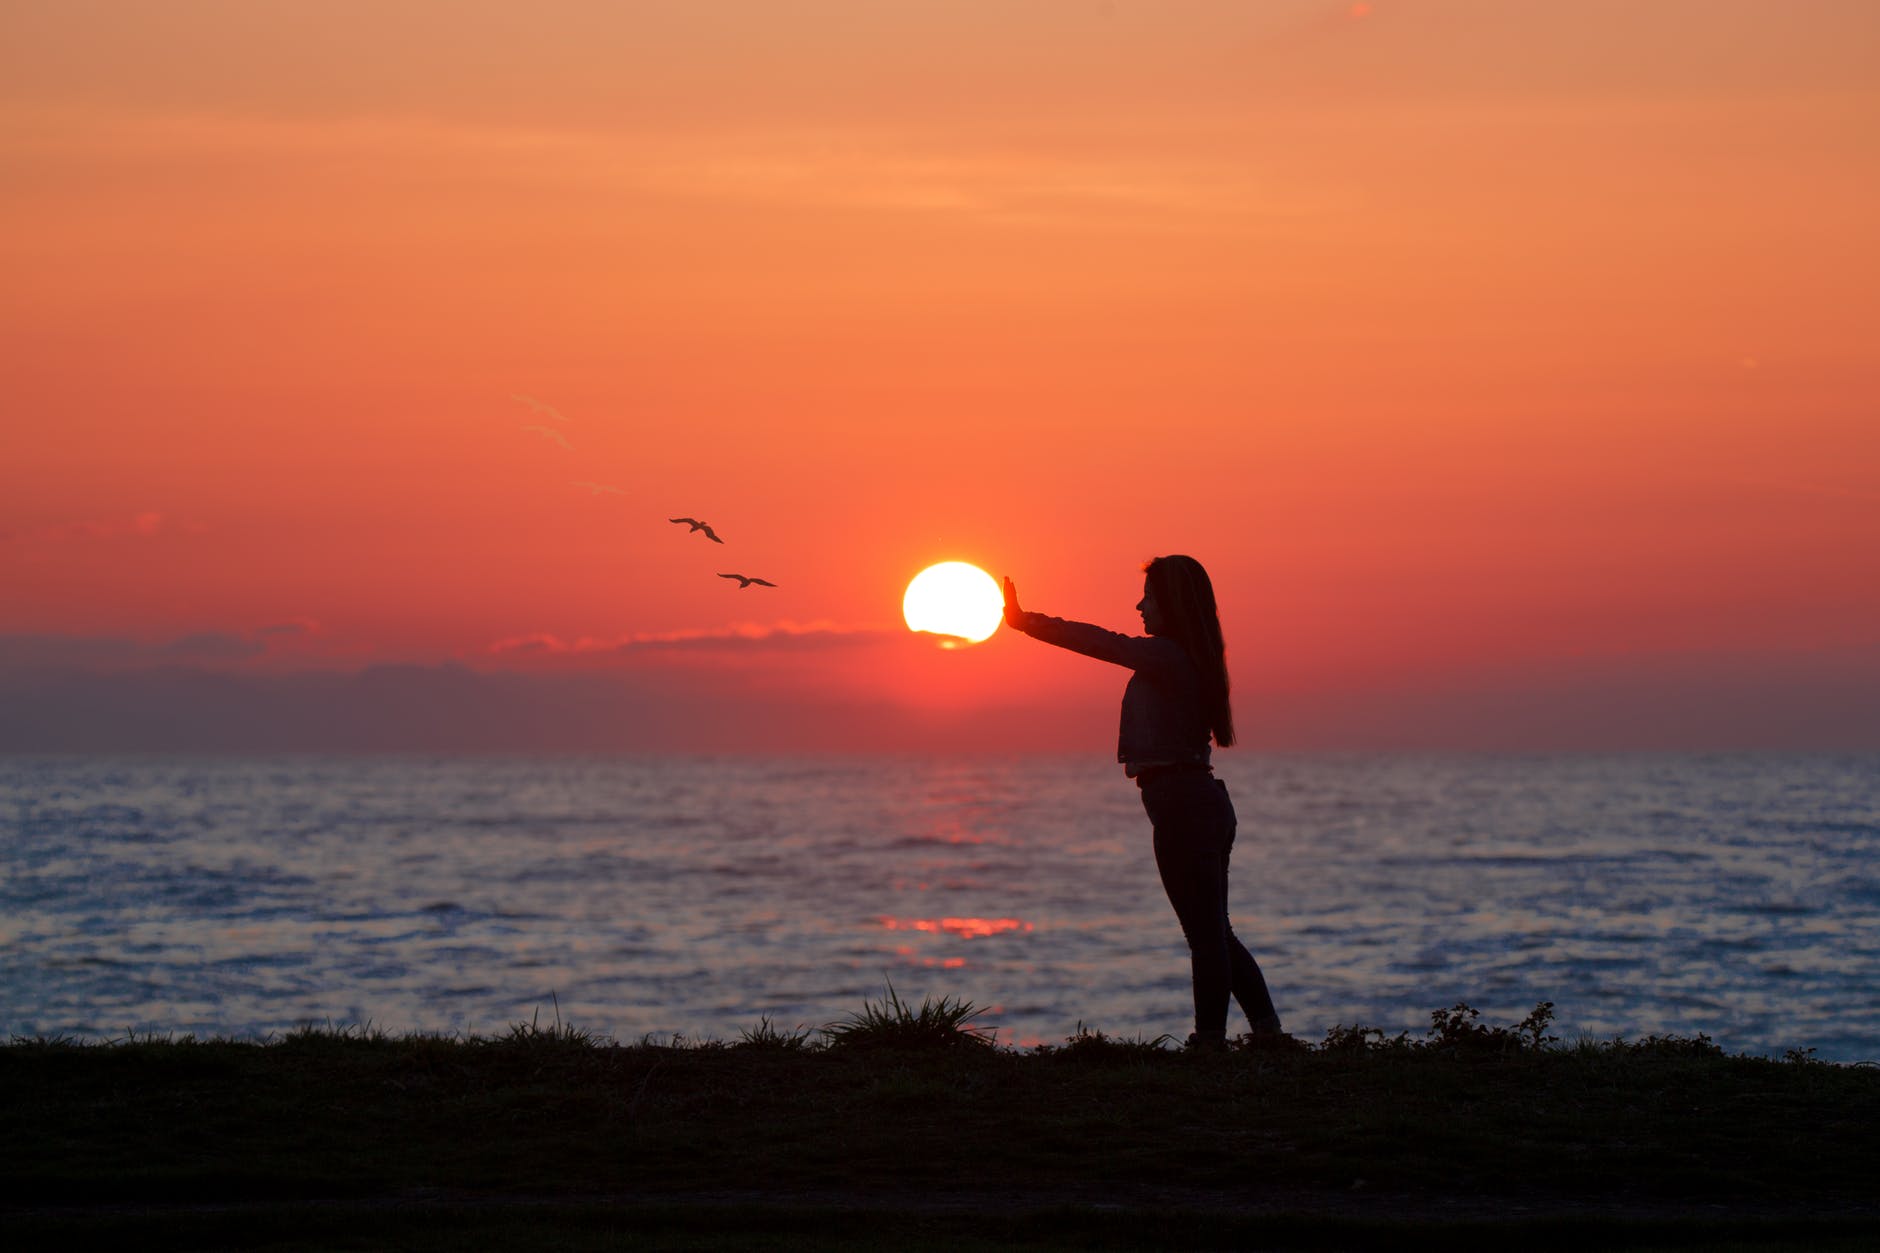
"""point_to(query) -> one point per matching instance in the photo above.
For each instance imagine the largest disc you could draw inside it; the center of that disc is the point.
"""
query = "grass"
(909, 1119)
(892, 1024)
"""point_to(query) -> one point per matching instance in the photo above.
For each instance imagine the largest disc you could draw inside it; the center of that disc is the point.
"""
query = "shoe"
(1268, 1025)
(1268, 1042)
(1208, 1042)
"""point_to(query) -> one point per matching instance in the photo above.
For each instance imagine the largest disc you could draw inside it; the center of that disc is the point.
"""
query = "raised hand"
(1012, 612)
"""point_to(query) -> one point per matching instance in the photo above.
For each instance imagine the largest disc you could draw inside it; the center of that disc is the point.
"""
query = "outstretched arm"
(1138, 652)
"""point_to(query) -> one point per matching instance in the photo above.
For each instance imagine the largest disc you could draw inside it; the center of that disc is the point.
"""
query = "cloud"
(551, 434)
(777, 637)
(541, 406)
(740, 638)
(1811, 704)
(543, 644)
(96, 654)
(211, 646)
(65, 652)
(1137, 181)
(1818, 701)
(1028, 189)
(144, 524)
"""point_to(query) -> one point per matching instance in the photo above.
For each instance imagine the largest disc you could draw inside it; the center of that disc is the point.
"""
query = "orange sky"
(1463, 341)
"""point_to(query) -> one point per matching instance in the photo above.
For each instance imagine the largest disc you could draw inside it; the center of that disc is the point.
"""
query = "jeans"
(1194, 834)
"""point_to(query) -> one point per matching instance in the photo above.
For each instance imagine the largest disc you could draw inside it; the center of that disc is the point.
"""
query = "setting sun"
(956, 600)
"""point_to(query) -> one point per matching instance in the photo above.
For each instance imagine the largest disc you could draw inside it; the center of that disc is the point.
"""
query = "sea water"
(1733, 896)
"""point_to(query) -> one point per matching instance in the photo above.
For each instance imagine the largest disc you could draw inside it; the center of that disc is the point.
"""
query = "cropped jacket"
(1164, 719)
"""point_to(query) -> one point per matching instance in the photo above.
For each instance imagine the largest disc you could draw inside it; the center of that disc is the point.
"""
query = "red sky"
(1487, 353)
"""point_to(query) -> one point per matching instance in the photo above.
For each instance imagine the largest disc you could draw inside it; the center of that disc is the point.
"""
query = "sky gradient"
(1511, 366)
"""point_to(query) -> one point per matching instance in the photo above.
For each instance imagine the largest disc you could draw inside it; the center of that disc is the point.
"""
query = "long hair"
(1185, 596)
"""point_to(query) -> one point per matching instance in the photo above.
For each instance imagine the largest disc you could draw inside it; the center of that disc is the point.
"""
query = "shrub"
(1456, 1029)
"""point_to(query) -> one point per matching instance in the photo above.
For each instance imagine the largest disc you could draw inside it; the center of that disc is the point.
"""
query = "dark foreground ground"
(547, 1139)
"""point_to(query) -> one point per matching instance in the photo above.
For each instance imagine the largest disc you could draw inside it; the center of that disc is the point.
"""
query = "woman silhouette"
(1176, 698)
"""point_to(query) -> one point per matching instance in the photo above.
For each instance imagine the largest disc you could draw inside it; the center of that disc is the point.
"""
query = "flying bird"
(745, 580)
(549, 432)
(598, 489)
(696, 525)
(540, 407)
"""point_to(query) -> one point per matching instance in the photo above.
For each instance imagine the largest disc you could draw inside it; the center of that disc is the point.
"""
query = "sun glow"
(955, 600)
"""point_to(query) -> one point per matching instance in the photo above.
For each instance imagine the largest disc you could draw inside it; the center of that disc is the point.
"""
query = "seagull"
(745, 580)
(540, 407)
(598, 489)
(549, 432)
(696, 525)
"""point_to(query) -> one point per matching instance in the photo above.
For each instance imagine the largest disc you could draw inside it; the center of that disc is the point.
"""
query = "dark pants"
(1194, 833)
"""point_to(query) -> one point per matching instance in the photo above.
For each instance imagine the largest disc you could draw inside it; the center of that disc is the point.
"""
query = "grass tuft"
(311, 1036)
(893, 1024)
(1095, 1046)
(559, 1034)
(767, 1035)
(1699, 1045)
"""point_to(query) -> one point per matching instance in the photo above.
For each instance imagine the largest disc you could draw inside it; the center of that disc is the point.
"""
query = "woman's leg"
(1191, 843)
(1248, 983)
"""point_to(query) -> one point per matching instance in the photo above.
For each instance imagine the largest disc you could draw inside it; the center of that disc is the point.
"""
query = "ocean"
(1733, 896)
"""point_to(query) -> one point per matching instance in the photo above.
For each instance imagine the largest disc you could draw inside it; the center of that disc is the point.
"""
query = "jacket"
(1164, 717)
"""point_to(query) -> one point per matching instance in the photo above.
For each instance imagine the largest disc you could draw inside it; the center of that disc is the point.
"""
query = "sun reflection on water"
(929, 963)
(965, 928)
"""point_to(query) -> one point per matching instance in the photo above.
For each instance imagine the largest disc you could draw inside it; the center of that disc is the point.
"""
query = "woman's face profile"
(1152, 620)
